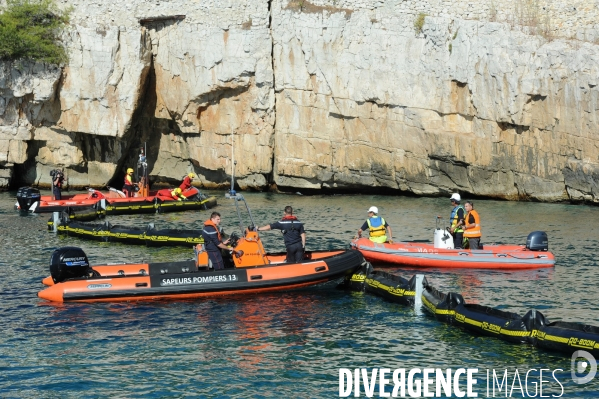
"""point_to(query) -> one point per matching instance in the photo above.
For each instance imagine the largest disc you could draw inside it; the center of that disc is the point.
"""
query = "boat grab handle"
(463, 253)
(320, 268)
(501, 255)
(257, 277)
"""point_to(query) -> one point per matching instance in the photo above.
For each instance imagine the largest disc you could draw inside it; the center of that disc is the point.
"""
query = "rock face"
(336, 95)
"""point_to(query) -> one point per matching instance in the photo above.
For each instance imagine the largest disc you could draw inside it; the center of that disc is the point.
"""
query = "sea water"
(288, 344)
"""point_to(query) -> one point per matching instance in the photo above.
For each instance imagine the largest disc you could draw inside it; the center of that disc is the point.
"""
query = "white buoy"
(418, 294)
(55, 220)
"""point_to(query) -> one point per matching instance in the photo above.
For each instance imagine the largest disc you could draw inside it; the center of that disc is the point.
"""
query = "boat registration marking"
(98, 286)
(198, 280)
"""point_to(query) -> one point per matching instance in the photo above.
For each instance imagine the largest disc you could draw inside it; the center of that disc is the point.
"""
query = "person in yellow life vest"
(377, 227)
(456, 218)
(472, 230)
(178, 194)
(128, 186)
(186, 185)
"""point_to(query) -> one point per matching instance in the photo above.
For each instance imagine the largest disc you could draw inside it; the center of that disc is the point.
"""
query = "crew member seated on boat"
(456, 219)
(178, 194)
(294, 235)
(377, 227)
(128, 186)
(186, 185)
(472, 230)
(213, 241)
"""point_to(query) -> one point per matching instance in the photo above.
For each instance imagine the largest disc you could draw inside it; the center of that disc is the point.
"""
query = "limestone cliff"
(336, 95)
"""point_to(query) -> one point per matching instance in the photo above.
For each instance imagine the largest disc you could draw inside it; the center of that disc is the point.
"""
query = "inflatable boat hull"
(113, 204)
(182, 280)
(150, 236)
(418, 254)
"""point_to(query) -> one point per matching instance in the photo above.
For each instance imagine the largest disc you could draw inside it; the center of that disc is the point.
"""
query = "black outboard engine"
(69, 262)
(537, 241)
(27, 196)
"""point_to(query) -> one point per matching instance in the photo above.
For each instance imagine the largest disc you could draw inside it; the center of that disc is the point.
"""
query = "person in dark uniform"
(293, 235)
(57, 181)
(213, 241)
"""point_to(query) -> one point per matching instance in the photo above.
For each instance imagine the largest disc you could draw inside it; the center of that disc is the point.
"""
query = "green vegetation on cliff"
(30, 30)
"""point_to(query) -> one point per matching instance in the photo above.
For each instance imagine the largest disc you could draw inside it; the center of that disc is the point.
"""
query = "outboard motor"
(27, 196)
(69, 262)
(537, 241)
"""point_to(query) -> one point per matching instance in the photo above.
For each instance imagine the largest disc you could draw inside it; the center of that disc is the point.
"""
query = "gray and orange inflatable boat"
(252, 271)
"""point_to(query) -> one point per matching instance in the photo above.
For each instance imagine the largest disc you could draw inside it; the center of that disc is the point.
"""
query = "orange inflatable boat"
(114, 202)
(252, 271)
(533, 255)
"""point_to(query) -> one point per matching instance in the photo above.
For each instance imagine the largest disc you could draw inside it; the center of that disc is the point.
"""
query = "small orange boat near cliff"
(115, 202)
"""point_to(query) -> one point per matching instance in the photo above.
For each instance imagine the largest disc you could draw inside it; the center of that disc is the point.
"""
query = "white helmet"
(456, 197)
(374, 209)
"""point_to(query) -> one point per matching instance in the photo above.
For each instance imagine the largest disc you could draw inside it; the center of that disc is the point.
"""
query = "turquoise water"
(284, 344)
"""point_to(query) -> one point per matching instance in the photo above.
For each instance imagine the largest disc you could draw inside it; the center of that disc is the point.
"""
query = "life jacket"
(473, 232)
(454, 219)
(212, 224)
(289, 218)
(128, 181)
(376, 226)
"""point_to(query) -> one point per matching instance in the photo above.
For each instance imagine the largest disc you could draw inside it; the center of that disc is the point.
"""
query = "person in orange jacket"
(472, 230)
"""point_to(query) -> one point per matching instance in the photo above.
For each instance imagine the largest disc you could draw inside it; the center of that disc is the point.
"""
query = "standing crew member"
(186, 185)
(213, 241)
(377, 227)
(57, 180)
(472, 230)
(293, 235)
(128, 186)
(457, 221)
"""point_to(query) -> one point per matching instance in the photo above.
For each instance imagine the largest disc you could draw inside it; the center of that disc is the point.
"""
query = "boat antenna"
(232, 194)
(233, 178)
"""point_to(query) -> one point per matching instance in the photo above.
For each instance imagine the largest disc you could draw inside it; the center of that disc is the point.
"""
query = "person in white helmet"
(456, 219)
(377, 227)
